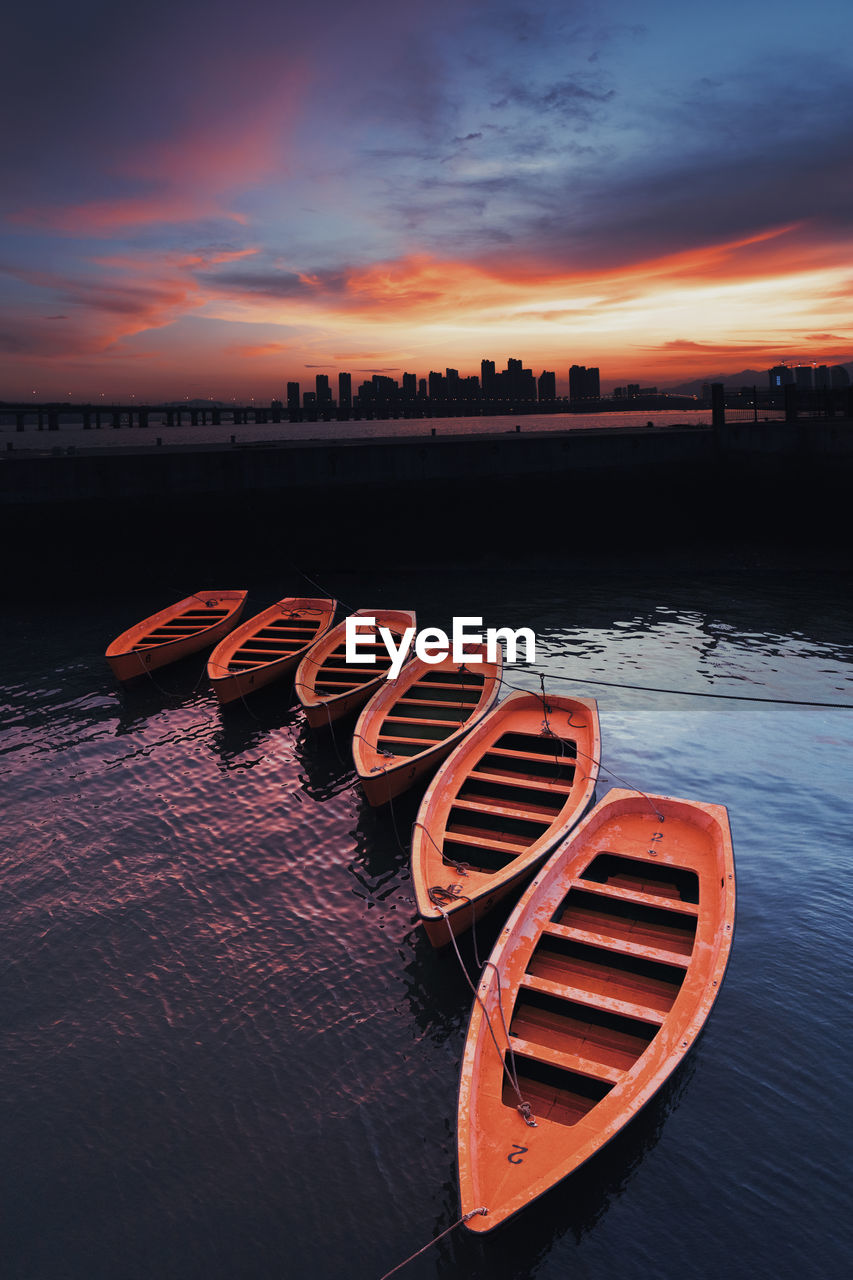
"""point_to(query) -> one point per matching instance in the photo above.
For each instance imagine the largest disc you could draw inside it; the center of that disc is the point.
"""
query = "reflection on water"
(231, 1049)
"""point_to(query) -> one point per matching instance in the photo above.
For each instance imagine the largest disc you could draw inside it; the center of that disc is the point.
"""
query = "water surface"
(230, 1052)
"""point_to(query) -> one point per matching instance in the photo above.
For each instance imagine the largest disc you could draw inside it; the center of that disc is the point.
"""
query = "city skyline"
(198, 202)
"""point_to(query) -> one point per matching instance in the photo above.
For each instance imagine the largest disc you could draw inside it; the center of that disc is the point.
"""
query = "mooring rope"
(167, 693)
(466, 1217)
(695, 693)
(523, 1106)
(328, 712)
(319, 588)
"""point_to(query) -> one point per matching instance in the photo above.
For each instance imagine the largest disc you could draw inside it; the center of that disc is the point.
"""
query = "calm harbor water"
(230, 1052)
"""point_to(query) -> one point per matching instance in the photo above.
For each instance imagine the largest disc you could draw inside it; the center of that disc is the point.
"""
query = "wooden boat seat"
(505, 809)
(461, 686)
(605, 969)
(488, 842)
(612, 1004)
(265, 651)
(642, 898)
(361, 675)
(453, 704)
(407, 741)
(338, 686)
(593, 1034)
(568, 1061)
(543, 757)
(619, 946)
(394, 717)
(520, 780)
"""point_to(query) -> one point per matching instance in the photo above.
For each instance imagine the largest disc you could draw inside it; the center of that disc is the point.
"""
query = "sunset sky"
(206, 198)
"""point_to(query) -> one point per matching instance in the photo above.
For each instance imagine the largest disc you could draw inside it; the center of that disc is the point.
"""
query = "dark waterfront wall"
(288, 466)
(415, 497)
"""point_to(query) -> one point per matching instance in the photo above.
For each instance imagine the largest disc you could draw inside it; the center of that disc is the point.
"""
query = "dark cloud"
(567, 98)
(278, 284)
(269, 284)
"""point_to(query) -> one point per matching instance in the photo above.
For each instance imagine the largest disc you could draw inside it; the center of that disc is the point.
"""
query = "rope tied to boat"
(440, 895)
(526, 1114)
(523, 1106)
(688, 693)
(466, 1217)
(598, 763)
(328, 712)
(167, 693)
(660, 816)
(380, 751)
(461, 868)
(549, 732)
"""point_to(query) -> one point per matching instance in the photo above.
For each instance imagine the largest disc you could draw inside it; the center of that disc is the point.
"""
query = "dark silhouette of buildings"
(807, 377)
(513, 389)
(584, 384)
(547, 386)
(324, 391)
(780, 376)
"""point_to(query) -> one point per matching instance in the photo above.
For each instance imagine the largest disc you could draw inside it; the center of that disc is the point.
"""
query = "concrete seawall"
(283, 467)
(410, 497)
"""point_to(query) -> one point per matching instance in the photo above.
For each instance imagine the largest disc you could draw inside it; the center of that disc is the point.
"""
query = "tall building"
(385, 388)
(547, 386)
(437, 386)
(324, 391)
(526, 385)
(410, 386)
(487, 378)
(780, 375)
(345, 390)
(804, 376)
(584, 384)
(293, 396)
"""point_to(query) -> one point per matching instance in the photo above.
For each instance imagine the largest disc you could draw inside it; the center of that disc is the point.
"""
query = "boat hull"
(329, 688)
(604, 977)
(246, 660)
(439, 928)
(509, 793)
(413, 723)
(397, 778)
(190, 625)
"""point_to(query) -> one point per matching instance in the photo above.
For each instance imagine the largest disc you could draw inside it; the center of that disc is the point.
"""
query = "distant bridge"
(95, 416)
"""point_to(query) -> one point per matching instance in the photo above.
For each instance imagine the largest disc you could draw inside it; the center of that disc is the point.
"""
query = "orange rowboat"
(513, 788)
(413, 722)
(198, 622)
(604, 976)
(268, 646)
(327, 687)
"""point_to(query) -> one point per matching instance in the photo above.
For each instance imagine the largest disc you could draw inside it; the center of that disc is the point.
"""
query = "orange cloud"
(423, 287)
(248, 351)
